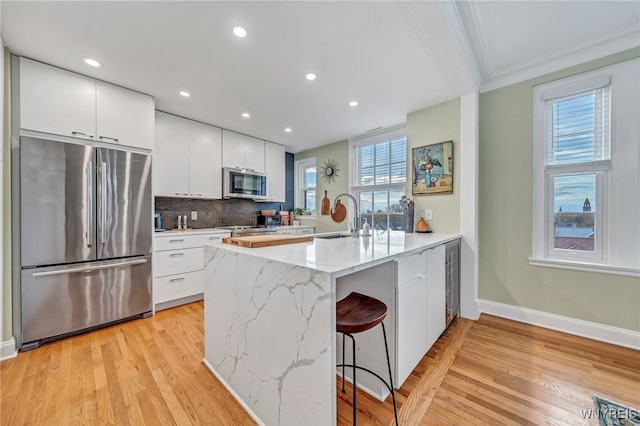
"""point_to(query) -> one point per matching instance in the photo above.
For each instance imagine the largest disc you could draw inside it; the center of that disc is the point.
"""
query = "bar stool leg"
(393, 395)
(343, 363)
(353, 340)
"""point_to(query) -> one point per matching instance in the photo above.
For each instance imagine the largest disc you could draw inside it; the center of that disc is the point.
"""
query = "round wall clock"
(329, 171)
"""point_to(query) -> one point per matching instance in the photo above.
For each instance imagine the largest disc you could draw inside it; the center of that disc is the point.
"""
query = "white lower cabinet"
(436, 294)
(178, 262)
(296, 231)
(411, 314)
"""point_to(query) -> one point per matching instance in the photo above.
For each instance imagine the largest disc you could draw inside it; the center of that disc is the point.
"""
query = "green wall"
(505, 218)
(439, 123)
(338, 151)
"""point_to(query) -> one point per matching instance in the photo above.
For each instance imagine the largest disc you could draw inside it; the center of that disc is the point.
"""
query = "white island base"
(270, 320)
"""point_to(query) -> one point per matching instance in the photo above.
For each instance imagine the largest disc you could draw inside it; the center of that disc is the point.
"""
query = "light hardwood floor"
(150, 371)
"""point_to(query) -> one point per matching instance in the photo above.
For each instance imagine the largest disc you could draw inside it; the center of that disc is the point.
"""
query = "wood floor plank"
(150, 372)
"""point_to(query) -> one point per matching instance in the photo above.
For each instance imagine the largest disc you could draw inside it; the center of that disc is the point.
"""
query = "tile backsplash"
(211, 213)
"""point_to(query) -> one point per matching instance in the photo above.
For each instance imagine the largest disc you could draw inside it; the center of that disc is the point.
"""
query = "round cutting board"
(339, 213)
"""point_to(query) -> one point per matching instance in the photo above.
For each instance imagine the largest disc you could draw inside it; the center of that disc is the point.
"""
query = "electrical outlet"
(428, 214)
(194, 215)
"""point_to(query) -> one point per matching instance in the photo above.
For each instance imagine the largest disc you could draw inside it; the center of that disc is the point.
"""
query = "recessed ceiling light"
(246, 115)
(353, 103)
(240, 32)
(287, 129)
(91, 62)
(185, 94)
(310, 76)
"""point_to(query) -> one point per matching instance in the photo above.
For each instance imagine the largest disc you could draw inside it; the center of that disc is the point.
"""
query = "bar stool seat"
(357, 313)
(354, 314)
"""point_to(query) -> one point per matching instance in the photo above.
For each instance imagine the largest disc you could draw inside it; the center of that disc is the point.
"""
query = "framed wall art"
(432, 169)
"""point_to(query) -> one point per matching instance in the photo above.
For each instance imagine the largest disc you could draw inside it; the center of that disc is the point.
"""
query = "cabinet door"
(232, 149)
(56, 101)
(124, 116)
(411, 327)
(436, 294)
(205, 163)
(171, 156)
(274, 166)
(254, 153)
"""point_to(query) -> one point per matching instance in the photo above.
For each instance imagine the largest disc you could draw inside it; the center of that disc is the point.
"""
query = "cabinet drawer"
(286, 232)
(177, 241)
(214, 239)
(178, 286)
(412, 267)
(177, 261)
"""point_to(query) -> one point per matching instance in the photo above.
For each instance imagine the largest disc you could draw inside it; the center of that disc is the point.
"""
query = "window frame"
(620, 175)
(301, 185)
(387, 135)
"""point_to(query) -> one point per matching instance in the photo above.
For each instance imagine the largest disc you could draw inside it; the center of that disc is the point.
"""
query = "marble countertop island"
(270, 319)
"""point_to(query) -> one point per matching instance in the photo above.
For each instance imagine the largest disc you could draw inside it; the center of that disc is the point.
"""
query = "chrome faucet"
(354, 228)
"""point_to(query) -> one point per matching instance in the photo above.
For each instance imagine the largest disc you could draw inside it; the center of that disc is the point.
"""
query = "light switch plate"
(428, 214)
(194, 215)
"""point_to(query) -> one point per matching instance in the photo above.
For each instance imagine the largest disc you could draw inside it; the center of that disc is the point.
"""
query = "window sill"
(305, 217)
(585, 267)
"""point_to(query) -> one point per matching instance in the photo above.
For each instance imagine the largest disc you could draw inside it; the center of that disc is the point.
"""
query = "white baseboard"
(233, 393)
(604, 333)
(8, 349)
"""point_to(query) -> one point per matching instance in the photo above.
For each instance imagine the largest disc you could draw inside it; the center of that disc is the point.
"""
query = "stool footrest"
(368, 371)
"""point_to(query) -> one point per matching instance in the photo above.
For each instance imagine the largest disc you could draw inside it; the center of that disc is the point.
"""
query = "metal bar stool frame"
(357, 367)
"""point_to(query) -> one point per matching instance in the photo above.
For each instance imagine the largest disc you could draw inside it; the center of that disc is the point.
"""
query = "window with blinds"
(379, 180)
(577, 127)
(586, 171)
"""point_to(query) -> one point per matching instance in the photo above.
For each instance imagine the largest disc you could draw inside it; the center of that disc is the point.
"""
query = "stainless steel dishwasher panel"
(66, 299)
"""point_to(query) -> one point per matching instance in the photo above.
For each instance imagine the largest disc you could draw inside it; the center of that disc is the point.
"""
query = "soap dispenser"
(366, 229)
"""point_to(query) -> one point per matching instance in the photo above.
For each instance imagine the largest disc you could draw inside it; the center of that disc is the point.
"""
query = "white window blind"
(577, 127)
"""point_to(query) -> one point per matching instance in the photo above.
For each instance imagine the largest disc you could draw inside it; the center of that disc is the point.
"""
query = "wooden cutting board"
(266, 240)
(326, 205)
(339, 212)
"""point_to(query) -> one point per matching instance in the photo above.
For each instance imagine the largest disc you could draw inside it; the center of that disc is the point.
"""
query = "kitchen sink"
(332, 236)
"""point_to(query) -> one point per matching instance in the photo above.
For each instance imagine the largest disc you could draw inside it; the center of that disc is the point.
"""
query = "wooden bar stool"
(354, 314)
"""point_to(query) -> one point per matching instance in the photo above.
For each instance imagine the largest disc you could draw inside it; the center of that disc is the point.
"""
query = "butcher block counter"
(270, 318)
(257, 241)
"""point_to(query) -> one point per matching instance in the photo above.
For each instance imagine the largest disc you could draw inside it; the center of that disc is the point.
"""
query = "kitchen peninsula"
(270, 317)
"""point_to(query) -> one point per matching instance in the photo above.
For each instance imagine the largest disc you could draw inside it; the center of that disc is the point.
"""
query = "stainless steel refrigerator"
(85, 238)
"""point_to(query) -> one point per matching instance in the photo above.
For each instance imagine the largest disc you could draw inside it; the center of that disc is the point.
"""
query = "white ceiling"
(392, 57)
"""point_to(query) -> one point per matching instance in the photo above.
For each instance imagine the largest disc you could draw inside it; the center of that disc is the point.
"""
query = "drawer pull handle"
(175, 280)
(176, 254)
(182, 193)
(82, 134)
(177, 241)
(108, 137)
(214, 238)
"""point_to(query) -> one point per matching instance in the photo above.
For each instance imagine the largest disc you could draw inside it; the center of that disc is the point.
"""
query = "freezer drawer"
(60, 300)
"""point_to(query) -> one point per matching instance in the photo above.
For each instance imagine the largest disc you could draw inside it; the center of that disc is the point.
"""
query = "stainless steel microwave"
(243, 183)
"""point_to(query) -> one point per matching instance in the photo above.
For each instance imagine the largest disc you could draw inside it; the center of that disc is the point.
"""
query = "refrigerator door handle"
(89, 268)
(103, 206)
(89, 201)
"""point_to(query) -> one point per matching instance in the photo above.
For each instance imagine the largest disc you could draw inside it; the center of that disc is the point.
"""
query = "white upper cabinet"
(240, 151)
(205, 160)
(274, 166)
(232, 149)
(56, 101)
(254, 153)
(60, 102)
(124, 116)
(171, 156)
(186, 158)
